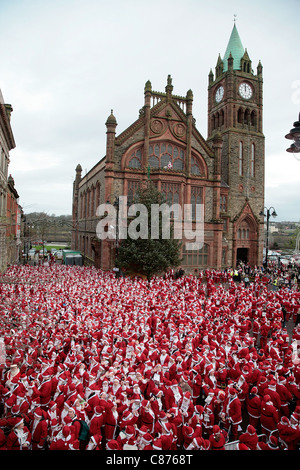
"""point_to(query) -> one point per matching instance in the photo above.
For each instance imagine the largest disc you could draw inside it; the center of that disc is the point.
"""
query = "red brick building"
(224, 172)
(7, 143)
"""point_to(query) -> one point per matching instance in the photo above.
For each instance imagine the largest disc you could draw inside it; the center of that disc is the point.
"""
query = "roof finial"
(234, 18)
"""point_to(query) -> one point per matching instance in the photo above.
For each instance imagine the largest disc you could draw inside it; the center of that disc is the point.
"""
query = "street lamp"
(117, 207)
(268, 215)
(294, 135)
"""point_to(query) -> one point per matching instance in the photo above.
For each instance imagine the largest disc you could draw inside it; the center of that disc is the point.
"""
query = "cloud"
(65, 64)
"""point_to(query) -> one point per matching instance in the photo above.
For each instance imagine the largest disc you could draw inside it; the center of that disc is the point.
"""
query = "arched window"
(196, 198)
(195, 168)
(133, 188)
(171, 192)
(167, 156)
(241, 159)
(135, 160)
(240, 116)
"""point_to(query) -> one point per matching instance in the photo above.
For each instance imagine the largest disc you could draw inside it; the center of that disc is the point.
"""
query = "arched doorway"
(246, 239)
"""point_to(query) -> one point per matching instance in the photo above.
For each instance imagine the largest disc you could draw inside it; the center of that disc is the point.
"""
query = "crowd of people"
(192, 362)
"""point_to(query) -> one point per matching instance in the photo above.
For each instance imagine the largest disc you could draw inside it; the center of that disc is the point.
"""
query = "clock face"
(245, 91)
(219, 94)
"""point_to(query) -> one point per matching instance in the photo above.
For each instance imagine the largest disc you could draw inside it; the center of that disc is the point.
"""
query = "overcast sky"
(66, 63)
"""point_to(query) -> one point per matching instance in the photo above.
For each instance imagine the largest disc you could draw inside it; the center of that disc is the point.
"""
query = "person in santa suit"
(208, 415)
(144, 441)
(175, 419)
(255, 330)
(294, 389)
(45, 390)
(271, 444)
(189, 434)
(288, 435)
(284, 394)
(94, 442)
(264, 331)
(249, 438)
(253, 407)
(272, 392)
(156, 400)
(147, 416)
(39, 430)
(196, 384)
(233, 412)
(12, 376)
(64, 440)
(186, 407)
(221, 375)
(161, 419)
(217, 438)
(19, 438)
(97, 421)
(242, 388)
(111, 421)
(269, 416)
(167, 437)
(176, 395)
(53, 430)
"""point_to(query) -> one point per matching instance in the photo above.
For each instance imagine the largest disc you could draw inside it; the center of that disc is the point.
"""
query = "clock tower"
(235, 110)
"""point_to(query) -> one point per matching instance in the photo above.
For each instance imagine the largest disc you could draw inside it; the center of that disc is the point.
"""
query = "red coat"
(289, 435)
(96, 425)
(45, 390)
(253, 405)
(217, 439)
(250, 440)
(269, 417)
(13, 443)
(233, 409)
(39, 434)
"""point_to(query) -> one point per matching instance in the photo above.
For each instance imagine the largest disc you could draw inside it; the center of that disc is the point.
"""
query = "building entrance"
(242, 254)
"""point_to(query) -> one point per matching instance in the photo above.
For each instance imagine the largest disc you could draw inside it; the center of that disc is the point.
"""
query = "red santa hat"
(18, 421)
(112, 445)
(96, 439)
(250, 429)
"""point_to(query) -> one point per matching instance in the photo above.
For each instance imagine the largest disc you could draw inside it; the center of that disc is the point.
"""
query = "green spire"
(235, 47)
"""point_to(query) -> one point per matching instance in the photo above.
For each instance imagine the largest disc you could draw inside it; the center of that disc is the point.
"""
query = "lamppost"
(117, 207)
(294, 135)
(268, 215)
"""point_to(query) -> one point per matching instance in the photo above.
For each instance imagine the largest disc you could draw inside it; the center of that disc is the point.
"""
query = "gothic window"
(195, 257)
(196, 198)
(240, 116)
(221, 119)
(81, 206)
(92, 201)
(133, 188)
(166, 156)
(253, 118)
(97, 194)
(241, 159)
(195, 168)
(135, 160)
(247, 117)
(88, 203)
(171, 193)
(243, 232)
(223, 203)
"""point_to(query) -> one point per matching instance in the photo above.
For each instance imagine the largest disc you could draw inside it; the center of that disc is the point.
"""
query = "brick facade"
(225, 172)
(7, 143)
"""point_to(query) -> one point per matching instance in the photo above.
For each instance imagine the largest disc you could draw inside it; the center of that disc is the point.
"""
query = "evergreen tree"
(148, 256)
